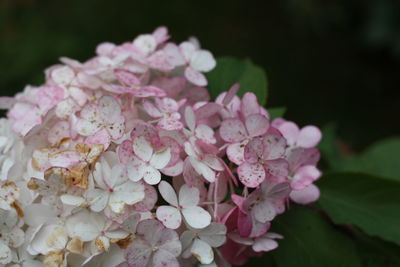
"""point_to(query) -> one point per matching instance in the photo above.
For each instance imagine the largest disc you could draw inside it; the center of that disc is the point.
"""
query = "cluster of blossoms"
(124, 160)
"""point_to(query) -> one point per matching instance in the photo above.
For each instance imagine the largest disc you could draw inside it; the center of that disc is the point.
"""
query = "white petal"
(202, 60)
(169, 216)
(151, 175)
(161, 158)
(168, 193)
(72, 200)
(188, 196)
(196, 217)
(5, 253)
(202, 251)
(202, 169)
(142, 148)
(98, 199)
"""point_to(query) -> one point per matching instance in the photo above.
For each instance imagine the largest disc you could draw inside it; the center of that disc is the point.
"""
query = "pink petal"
(126, 77)
(235, 152)
(290, 131)
(256, 125)
(232, 130)
(305, 196)
(309, 137)
(304, 176)
(207, 110)
(169, 216)
(151, 109)
(264, 244)
(147, 204)
(277, 170)
(249, 105)
(195, 77)
(275, 147)
(230, 94)
(101, 137)
(148, 91)
(251, 175)
(125, 151)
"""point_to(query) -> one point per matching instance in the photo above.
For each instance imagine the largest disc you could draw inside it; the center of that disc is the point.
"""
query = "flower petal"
(161, 158)
(168, 193)
(196, 217)
(142, 148)
(251, 175)
(169, 216)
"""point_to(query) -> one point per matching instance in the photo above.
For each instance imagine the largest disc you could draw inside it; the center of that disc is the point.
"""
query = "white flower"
(113, 188)
(187, 205)
(199, 243)
(147, 163)
(90, 226)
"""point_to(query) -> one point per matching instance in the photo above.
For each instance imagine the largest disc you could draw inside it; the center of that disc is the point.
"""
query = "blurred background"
(327, 60)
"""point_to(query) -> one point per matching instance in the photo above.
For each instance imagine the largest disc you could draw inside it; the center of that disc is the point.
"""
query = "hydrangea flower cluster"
(124, 160)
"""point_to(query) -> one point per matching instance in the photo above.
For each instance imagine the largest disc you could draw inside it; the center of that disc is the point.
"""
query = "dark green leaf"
(376, 252)
(230, 70)
(276, 112)
(311, 241)
(382, 158)
(369, 202)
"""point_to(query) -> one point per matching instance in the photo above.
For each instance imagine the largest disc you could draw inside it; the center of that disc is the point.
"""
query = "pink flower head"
(264, 157)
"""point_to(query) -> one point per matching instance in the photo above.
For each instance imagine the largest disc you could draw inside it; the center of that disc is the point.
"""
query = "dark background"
(326, 60)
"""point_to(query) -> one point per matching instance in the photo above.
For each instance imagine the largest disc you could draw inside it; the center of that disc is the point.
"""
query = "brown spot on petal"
(32, 184)
(54, 259)
(18, 209)
(75, 245)
(122, 243)
(77, 176)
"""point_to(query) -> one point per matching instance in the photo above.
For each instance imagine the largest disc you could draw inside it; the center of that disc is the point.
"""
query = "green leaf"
(369, 202)
(276, 112)
(376, 252)
(311, 241)
(382, 158)
(230, 70)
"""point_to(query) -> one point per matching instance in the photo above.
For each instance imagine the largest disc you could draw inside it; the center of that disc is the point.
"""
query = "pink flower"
(307, 137)
(104, 119)
(165, 110)
(194, 59)
(264, 158)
